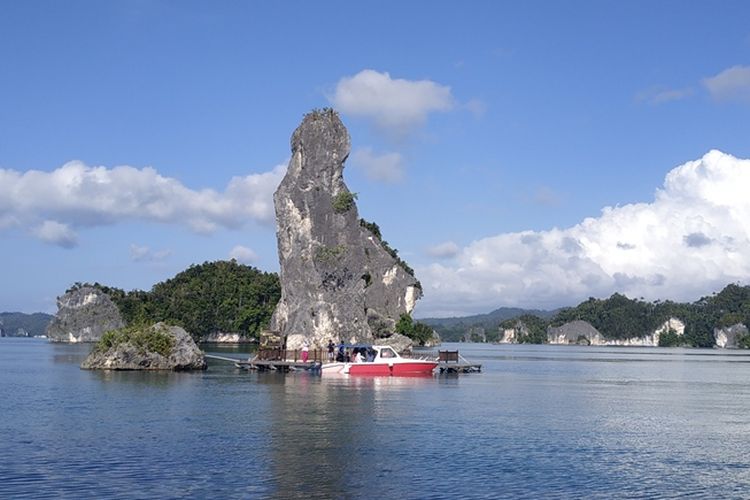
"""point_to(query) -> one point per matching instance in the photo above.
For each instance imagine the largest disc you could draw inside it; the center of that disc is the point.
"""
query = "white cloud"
(243, 255)
(395, 105)
(445, 250)
(730, 85)
(76, 195)
(387, 167)
(56, 233)
(477, 107)
(546, 196)
(691, 240)
(145, 254)
(660, 95)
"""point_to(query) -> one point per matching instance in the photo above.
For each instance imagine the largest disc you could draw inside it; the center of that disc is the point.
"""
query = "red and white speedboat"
(385, 362)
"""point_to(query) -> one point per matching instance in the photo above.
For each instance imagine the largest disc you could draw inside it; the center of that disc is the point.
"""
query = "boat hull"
(413, 368)
(403, 368)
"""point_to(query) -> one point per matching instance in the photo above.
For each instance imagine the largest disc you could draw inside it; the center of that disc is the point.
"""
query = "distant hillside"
(456, 328)
(15, 324)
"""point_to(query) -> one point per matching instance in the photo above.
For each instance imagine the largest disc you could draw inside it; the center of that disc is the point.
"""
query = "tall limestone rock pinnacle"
(339, 281)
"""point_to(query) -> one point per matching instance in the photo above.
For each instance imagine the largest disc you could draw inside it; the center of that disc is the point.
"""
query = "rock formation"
(339, 280)
(729, 336)
(582, 332)
(511, 335)
(575, 332)
(84, 313)
(226, 338)
(184, 354)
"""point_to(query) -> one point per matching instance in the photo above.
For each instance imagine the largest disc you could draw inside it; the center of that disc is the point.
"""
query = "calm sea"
(538, 422)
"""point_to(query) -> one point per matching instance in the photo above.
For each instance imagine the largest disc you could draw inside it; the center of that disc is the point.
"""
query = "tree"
(221, 296)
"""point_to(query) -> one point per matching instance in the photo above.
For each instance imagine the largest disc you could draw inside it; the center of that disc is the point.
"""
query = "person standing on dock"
(305, 351)
(331, 349)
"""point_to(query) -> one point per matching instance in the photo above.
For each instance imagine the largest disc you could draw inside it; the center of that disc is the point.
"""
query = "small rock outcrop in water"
(728, 337)
(131, 351)
(84, 313)
(338, 280)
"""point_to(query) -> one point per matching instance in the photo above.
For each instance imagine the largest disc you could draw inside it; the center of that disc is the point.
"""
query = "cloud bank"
(661, 95)
(395, 105)
(243, 255)
(732, 84)
(387, 168)
(445, 250)
(145, 254)
(53, 204)
(691, 240)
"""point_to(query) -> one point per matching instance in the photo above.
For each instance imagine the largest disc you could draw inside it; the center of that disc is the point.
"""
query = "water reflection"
(538, 422)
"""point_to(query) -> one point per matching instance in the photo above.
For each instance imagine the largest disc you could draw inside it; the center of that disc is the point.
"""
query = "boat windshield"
(387, 352)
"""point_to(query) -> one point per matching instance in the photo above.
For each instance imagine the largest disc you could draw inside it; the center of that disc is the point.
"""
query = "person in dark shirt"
(331, 349)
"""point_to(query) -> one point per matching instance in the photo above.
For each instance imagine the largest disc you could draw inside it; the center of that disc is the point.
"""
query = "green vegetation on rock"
(221, 296)
(619, 317)
(343, 202)
(329, 254)
(153, 338)
(418, 332)
(375, 230)
(16, 323)
(535, 328)
(669, 339)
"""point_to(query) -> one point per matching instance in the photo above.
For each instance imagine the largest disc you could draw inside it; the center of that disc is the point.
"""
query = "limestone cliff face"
(337, 279)
(728, 336)
(511, 335)
(83, 315)
(583, 332)
(574, 332)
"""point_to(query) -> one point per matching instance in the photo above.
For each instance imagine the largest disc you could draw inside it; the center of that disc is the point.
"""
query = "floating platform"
(261, 364)
(279, 366)
(458, 367)
(453, 362)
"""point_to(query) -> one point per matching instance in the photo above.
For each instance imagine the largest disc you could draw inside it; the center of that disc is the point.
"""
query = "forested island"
(619, 318)
(212, 298)
(16, 324)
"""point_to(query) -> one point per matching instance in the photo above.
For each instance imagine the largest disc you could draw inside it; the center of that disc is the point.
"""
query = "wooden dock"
(268, 365)
(278, 365)
(453, 362)
(459, 367)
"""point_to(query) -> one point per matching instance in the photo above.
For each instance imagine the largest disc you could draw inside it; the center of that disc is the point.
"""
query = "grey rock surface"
(185, 355)
(729, 336)
(400, 343)
(338, 281)
(433, 341)
(83, 315)
(573, 333)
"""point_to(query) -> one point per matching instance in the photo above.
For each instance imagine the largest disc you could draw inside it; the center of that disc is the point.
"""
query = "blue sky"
(488, 141)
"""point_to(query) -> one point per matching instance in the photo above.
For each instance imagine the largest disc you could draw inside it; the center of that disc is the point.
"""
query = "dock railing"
(279, 354)
(448, 356)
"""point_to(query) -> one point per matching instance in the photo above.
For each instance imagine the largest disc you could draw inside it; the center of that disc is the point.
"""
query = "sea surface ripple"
(538, 422)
